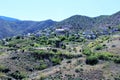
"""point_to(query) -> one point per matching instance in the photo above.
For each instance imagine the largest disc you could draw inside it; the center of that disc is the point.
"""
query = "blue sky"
(56, 9)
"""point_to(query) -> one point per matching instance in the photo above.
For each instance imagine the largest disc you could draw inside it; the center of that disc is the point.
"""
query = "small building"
(89, 34)
(61, 31)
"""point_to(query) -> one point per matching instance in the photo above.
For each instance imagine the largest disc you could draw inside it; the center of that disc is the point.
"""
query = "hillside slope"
(12, 27)
(78, 22)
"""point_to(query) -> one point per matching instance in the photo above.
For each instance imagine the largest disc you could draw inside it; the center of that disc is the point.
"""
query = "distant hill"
(78, 22)
(12, 27)
(15, 27)
(8, 18)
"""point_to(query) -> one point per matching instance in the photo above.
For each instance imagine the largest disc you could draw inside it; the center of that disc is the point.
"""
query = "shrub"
(87, 51)
(56, 60)
(117, 60)
(18, 75)
(62, 38)
(104, 45)
(99, 47)
(91, 44)
(41, 67)
(104, 55)
(29, 69)
(4, 69)
(57, 43)
(41, 61)
(69, 61)
(69, 56)
(40, 54)
(113, 45)
(63, 46)
(92, 60)
(78, 70)
(18, 37)
(105, 38)
(74, 49)
(54, 50)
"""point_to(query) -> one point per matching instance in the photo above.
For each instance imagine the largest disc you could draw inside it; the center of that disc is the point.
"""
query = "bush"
(40, 54)
(69, 56)
(78, 70)
(87, 51)
(92, 60)
(74, 49)
(63, 46)
(54, 50)
(18, 75)
(69, 61)
(105, 38)
(113, 45)
(18, 37)
(99, 47)
(4, 69)
(91, 44)
(117, 60)
(56, 60)
(41, 61)
(104, 55)
(41, 67)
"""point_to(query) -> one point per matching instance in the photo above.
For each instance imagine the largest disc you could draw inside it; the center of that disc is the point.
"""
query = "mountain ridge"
(88, 22)
(13, 27)
(8, 18)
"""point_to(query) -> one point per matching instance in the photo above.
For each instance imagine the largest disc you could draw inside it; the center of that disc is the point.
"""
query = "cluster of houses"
(88, 34)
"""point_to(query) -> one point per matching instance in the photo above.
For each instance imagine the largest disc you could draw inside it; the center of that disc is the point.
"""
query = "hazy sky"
(56, 9)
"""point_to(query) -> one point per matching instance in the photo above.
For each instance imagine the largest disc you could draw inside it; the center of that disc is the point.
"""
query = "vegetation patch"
(18, 75)
(99, 47)
(87, 51)
(92, 60)
(4, 69)
(41, 66)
